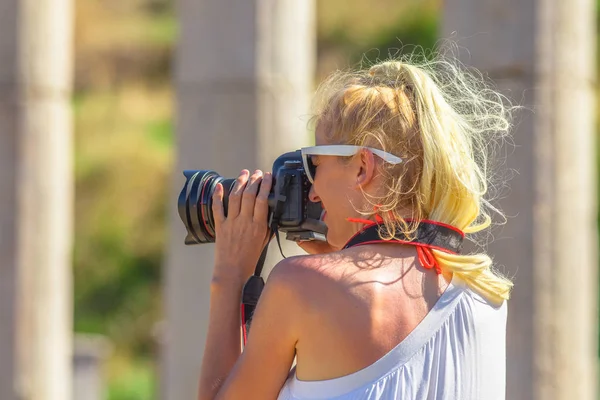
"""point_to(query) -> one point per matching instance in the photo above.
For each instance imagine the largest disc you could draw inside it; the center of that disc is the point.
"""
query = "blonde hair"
(440, 119)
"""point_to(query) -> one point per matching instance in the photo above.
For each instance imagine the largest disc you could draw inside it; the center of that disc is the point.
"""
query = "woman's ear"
(366, 170)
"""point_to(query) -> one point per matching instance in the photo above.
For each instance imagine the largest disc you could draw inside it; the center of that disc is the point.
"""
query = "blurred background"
(125, 152)
(124, 140)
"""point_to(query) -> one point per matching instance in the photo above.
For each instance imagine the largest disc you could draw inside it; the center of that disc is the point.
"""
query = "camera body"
(290, 210)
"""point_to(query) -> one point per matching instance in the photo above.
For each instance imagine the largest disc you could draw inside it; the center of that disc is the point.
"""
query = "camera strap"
(253, 289)
(430, 235)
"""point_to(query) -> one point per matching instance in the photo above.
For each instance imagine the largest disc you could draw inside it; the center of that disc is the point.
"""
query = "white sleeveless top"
(458, 352)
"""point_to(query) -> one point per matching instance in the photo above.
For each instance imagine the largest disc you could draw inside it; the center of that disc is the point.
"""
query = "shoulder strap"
(429, 234)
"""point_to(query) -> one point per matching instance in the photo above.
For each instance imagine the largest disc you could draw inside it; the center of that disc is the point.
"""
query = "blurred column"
(542, 54)
(244, 71)
(35, 200)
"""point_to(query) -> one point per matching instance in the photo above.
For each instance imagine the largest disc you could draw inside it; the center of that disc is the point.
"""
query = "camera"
(290, 210)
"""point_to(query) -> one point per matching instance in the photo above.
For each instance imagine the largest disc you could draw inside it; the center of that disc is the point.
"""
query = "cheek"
(332, 172)
(326, 185)
(332, 186)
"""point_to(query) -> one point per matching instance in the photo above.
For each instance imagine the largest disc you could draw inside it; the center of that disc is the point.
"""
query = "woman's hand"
(242, 235)
(316, 247)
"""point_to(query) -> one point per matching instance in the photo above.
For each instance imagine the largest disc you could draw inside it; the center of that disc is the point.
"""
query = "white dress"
(458, 352)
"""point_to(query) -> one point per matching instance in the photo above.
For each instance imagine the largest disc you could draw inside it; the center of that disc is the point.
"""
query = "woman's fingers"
(249, 196)
(217, 207)
(235, 197)
(250, 192)
(261, 206)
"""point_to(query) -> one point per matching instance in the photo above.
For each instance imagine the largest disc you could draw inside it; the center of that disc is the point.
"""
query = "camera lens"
(195, 204)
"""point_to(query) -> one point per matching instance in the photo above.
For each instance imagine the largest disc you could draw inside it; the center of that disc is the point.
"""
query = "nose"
(312, 195)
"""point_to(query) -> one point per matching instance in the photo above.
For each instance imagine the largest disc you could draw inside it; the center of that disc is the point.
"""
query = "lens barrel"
(195, 204)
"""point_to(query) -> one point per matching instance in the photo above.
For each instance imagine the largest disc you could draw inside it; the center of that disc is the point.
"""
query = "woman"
(386, 320)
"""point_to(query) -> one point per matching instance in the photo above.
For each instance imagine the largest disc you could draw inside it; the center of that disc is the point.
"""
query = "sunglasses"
(343, 150)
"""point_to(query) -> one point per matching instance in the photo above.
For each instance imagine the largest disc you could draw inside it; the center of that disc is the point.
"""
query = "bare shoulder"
(302, 269)
(308, 278)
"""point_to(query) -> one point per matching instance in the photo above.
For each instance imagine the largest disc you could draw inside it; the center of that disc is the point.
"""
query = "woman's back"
(408, 333)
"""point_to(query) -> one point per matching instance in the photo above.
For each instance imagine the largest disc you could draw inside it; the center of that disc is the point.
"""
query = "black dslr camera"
(290, 210)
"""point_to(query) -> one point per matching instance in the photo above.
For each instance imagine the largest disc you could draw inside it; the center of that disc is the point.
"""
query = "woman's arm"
(222, 347)
(260, 372)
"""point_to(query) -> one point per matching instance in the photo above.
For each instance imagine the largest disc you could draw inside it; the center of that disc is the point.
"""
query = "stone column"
(244, 73)
(542, 54)
(37, 195)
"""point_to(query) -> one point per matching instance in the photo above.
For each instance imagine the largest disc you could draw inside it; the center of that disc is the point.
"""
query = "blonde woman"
(398, 146)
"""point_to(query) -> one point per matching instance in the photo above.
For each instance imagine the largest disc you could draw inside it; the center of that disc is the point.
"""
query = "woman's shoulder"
(311, 267)
(310, 276)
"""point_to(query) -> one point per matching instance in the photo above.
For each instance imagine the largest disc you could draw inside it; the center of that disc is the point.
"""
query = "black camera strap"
(254, 287)
(250, 295)
(429, 234)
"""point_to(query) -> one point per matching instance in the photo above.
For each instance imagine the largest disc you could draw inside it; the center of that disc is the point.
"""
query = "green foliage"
(162, 30)
(354, 32)
(122, 171)
(415, 29)
(160, 132)
(420, 30)
(123, 159)
(136, 383)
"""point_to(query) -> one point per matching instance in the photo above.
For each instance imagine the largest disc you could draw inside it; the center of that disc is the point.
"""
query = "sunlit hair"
(440, 118)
